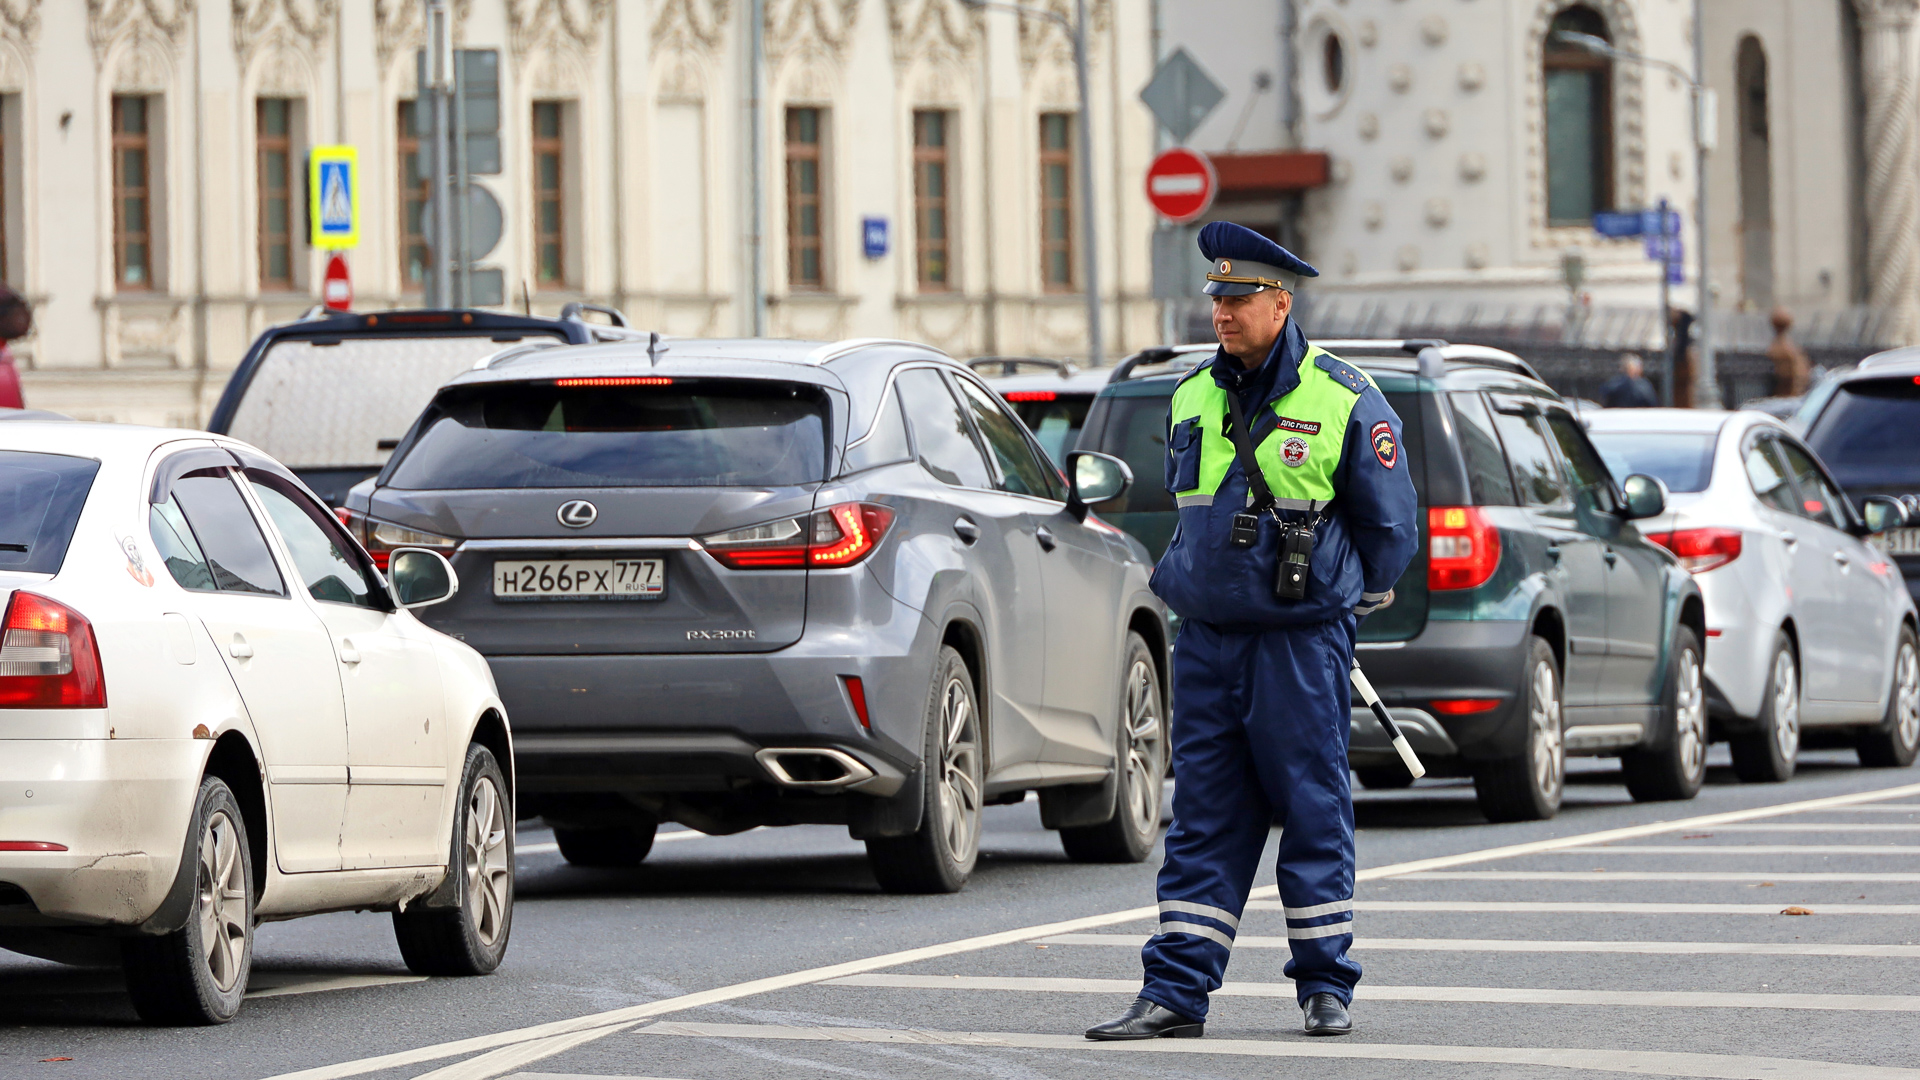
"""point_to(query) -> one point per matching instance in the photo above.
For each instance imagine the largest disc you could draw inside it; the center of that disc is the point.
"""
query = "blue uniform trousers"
(1260, 728)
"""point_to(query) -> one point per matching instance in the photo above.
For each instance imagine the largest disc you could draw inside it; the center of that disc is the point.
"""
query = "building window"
(805, 265)
(1056, 201)
(132, 193)
(1579, 92)
(413, 198)
(273, 149)
(932, 235)
(549, 220)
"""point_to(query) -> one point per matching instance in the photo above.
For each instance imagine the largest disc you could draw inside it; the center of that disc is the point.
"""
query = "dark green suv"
(1534, 622)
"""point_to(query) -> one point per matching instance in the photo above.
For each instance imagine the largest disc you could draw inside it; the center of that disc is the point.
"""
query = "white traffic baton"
(1392, 729)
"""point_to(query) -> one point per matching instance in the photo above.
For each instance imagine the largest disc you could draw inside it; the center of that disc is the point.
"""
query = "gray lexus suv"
(746, 583)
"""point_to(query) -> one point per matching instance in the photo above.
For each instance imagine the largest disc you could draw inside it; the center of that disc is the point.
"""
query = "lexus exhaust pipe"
(812, 767)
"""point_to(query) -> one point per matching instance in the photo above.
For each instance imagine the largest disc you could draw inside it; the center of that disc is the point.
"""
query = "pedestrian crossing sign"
(333, 202)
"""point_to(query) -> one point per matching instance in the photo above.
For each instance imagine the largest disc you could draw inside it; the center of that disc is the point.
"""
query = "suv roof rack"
(834, 350)
(1458, 355)
(1155, 355)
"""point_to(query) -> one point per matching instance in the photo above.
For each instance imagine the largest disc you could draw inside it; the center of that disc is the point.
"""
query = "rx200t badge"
(1294, 451)
(1384, 447)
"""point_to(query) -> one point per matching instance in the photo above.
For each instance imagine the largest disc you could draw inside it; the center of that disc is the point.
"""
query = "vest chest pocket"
(1183, 456)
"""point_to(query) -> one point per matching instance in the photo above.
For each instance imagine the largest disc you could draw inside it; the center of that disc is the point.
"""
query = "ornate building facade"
(152, 163)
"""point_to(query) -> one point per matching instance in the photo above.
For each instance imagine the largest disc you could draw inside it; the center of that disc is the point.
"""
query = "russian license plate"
(579, 579)
(1899, 541)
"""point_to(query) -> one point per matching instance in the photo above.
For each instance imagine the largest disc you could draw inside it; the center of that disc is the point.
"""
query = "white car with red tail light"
(1811, 629)
(214, 711)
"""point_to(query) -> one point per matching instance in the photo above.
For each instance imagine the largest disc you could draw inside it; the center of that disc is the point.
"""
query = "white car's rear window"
(346, 404)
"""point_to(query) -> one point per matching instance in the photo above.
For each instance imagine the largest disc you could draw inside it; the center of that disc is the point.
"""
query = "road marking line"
(1889, 808)
(1639, 1062)
(1745, 849)
(320, 984)
(1470, 907)
(1599, 877)
(508, 1058)
(1826, 826)
(575, 1076)
(1510, 945)
(1493, 995)
(607, 1022)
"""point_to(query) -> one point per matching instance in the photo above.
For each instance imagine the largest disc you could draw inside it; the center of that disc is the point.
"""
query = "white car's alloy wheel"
(1786, 706)
(1906, 684)
(220, 902)
(489, 876)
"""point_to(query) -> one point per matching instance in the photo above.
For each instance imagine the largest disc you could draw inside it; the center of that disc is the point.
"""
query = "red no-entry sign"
(1181, 184)
(336, 289)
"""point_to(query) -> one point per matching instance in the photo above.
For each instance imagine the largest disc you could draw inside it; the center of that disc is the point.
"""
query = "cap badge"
(1226, 266)
(1294, 452)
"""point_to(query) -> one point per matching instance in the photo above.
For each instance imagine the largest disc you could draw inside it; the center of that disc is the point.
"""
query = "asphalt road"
(1663, 953)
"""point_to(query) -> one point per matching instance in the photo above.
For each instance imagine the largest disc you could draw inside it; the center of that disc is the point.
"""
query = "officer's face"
(1249, 325)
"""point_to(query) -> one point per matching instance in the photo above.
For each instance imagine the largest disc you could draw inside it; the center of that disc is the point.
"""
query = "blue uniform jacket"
(1368, 538)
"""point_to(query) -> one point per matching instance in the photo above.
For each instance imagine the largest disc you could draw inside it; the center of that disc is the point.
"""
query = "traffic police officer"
(1271, 578)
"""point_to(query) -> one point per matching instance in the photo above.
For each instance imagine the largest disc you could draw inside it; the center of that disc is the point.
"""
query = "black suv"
(1865, 425)
(1535, 620)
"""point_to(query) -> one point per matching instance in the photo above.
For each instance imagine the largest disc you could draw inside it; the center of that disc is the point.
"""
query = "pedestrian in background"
(1630, 388)
(1297, 515)
(1680, 356)
(16, 321)
(1792, 371)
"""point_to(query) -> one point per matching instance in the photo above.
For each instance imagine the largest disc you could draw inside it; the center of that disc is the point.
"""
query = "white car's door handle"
(348, 654)
(1788, 538)
(1841, 558)
(239, 649)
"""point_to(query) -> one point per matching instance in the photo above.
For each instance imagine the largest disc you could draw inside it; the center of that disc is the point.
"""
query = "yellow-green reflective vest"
(1298, 447)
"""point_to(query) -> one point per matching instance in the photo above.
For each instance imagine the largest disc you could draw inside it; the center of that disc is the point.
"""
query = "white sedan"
(215, 710)
(1810, 627)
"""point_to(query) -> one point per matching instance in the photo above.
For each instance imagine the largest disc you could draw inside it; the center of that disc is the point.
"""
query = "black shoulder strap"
(1260, 496)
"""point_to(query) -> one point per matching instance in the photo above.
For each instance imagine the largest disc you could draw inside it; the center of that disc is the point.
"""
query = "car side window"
(236, 552)
(1487, 477)
(1818, 501)
(1536, 475)
(940, 434)
(1020, 471)
(178, 549)
(1593, 484)
(1769, 477)
(325, 558)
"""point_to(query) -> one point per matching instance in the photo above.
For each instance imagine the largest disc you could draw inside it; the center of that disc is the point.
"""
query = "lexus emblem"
(577, 514)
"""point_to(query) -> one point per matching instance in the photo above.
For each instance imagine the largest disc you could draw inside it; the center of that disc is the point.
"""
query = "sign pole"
(439, 60)
(1666, 308)
(1096, 345)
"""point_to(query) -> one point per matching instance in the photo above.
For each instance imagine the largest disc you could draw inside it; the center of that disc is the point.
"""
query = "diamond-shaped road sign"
(1181, 95)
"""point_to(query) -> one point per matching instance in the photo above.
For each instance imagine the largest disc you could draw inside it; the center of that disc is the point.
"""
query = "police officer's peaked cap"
(1246, 262)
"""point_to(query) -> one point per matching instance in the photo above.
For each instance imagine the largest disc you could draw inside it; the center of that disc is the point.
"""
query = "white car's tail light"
(48, 658)
(837, 536)
(381, 537)
(1700, 550)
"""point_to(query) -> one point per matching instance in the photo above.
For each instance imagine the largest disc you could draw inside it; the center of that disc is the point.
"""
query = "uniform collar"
(1275, 378)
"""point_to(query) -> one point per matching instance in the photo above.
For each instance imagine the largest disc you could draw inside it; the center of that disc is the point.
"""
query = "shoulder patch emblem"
(1384, 447)
(1294, 452)
(1304, 427)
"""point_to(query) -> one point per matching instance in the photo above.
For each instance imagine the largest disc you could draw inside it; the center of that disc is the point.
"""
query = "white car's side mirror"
(421, 578)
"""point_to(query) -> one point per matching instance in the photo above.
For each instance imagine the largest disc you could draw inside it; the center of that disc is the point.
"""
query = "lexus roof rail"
(834, 350)
(1010, 365)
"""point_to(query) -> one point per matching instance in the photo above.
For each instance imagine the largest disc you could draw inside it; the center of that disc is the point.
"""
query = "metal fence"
(1577, 348)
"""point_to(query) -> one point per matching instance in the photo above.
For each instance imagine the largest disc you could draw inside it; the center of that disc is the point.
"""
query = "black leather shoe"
(1147, 1020)
(1326, 1016)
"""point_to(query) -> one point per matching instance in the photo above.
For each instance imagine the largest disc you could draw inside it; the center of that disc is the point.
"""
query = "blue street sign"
(873, 234)
(1622, 223)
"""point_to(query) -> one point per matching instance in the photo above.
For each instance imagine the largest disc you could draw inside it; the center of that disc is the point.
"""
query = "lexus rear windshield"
(620, 432)
(40, 500)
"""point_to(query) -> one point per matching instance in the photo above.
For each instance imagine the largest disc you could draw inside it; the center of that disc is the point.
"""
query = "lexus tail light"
(381, 537)
(48, 657)
(840, 535)
(1463, 548)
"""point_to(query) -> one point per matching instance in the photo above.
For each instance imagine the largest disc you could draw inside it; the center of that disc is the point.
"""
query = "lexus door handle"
(966, 530)
(1788, 538)
(1612, 556)
(1046, 538)
(1553, 552)
(1841, 558)
(348, 654)
(239, 649)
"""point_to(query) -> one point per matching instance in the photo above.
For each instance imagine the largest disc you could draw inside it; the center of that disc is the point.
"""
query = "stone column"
(1892, 160)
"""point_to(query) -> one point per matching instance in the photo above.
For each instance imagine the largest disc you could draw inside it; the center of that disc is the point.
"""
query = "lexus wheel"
(1139, 770)
(1675, 764)
(939, 857)
(198, 973)
(467, 934)
(1767, 755)
(1528, 787)
(1895, 743)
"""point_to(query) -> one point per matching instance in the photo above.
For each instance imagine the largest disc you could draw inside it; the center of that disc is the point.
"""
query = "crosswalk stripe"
(1745, 849)
(1639, 1062)
(1600, 877)
(267, 985)
(1494, 995)
(1470, 907)
(1646, 948)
